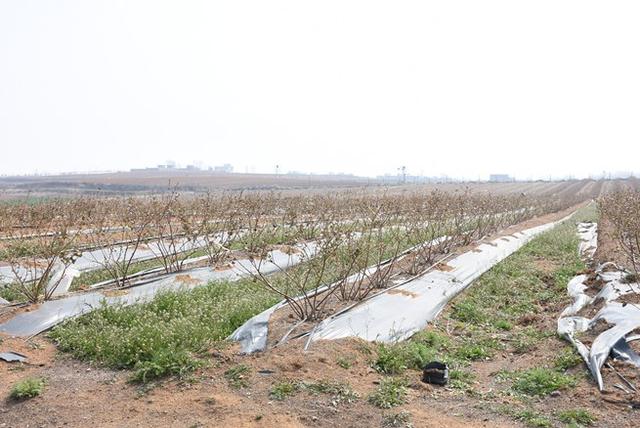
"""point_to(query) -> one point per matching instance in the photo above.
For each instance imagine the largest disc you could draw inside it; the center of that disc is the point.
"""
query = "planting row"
(42, 240)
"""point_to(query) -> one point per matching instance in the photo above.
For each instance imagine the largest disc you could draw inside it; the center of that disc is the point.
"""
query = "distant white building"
(500, 178)
(226, 168)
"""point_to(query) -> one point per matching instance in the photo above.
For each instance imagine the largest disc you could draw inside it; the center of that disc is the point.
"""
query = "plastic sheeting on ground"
(12, 357)
(400, 312)
(624, 318)
(252, 335)
(53, 312)
(96, 258)
(588, 234)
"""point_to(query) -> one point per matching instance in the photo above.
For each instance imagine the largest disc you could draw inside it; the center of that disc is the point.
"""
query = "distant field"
(141, 182)
(153, 181)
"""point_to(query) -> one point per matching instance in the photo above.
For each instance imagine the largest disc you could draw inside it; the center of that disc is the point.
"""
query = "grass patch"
(390, 393)
(540, 381)
(461, 379)
(477, 348)
(527, 339)
(344, 362)
(577, 417)
(415, 354)
(12, 293)
(27, 388)
(237, 376)
(340, 392)
(533, 418)
(393, 420)
(567, 359)
(283, 389)
(166, 336)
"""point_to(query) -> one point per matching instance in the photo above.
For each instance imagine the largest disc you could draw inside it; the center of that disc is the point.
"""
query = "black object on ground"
(436, 373)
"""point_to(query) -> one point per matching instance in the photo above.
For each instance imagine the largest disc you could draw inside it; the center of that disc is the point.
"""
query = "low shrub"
(27, 388)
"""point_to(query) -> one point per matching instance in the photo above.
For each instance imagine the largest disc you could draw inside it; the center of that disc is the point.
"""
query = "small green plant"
(390, 393)
(165, 362)
(541, 381)
(237, 376)
(340, 392)
(283, 389)
(533, 419)
(475, 349)
(344, 362)
(576, 417)
(503, 325)
(27, 388)
(431, 338)
(469, 311)
(393, 420)
(390, 359)
(460, 379)
(414, 354)
(527, 416)
(567, 359)
(527, 340)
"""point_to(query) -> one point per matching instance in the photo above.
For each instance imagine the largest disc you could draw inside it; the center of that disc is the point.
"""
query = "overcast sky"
(464, 88)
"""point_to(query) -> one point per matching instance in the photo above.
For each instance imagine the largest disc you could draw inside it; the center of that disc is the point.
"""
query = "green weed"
(27, 388)
(390, 393)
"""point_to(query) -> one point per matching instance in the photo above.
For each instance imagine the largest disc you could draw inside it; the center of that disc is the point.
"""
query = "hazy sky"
(463, 88)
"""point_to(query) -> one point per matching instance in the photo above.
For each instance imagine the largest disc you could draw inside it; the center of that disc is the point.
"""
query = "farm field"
(144, 182)
(319, 214)
(211, 263)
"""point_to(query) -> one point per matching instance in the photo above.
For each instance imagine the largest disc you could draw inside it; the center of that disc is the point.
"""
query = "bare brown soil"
(77, 394)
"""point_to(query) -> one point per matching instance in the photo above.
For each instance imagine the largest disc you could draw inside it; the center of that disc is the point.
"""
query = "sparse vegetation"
(340, 392)
(528, 416)
(27, 388)
(577, 417)
(567, 359)
(540, 381)
(390, 393)
(237, 376)
(344, 362)
(283, 389)
(397, 420)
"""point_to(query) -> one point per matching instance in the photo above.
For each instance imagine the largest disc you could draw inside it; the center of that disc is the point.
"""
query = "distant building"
(227, 168)
(500, 178)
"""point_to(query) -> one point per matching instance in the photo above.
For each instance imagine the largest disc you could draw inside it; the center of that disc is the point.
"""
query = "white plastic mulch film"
(96, 259)
(252, 335)
(623, 318)
(401, 311)
(53, 312)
